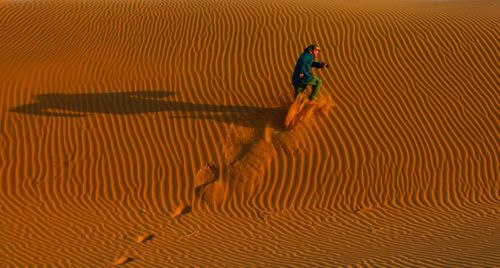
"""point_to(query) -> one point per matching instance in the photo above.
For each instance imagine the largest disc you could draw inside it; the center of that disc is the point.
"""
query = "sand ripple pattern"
(109, 109)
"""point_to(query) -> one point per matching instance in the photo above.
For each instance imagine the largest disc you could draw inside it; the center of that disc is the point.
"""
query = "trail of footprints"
(247, 152)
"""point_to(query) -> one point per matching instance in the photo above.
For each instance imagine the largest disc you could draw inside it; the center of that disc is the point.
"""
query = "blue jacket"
(303, 66)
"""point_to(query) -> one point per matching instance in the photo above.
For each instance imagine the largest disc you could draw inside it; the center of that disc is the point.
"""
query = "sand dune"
(152, 134)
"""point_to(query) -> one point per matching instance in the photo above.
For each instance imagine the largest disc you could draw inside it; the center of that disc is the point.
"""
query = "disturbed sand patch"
(248, 151)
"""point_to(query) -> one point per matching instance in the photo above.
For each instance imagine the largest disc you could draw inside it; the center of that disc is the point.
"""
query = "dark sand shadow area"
(141, 102)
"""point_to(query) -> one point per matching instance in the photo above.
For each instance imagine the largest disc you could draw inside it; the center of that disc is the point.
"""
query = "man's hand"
(323, 65)
(301, 76)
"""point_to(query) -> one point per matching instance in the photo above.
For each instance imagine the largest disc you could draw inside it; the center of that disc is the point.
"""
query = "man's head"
(314, 49)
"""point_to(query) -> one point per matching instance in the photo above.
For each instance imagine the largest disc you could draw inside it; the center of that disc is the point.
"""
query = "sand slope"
(150, 133)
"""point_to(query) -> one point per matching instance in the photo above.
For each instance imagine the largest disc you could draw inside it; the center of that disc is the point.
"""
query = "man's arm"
(319, 65)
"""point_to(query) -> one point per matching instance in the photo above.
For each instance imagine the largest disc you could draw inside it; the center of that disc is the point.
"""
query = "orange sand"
(152, 134)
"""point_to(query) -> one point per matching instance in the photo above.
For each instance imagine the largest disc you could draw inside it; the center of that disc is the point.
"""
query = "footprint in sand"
(207, 175)
(125, 258)
(144, 238)
(122, 260)
(181, 210)
(208, 185)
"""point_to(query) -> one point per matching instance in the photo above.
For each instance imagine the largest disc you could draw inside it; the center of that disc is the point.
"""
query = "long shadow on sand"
(140, 102)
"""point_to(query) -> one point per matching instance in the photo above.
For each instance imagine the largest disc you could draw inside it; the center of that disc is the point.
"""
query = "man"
(302, 76)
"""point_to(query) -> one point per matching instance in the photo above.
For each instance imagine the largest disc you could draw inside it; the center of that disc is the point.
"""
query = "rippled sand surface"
(152, 134)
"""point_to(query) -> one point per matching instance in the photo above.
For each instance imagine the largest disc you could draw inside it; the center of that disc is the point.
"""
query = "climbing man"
(302, 76)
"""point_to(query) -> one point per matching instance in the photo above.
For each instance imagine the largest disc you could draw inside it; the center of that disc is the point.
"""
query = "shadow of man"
(140, 102)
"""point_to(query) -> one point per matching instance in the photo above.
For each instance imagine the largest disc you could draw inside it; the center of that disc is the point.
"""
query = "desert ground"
(152, 134)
